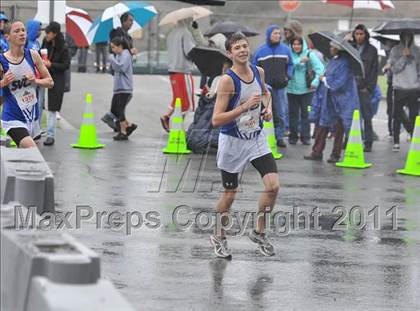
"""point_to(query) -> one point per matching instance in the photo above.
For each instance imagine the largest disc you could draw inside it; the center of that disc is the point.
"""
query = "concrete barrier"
(49, 271)
(26, 178)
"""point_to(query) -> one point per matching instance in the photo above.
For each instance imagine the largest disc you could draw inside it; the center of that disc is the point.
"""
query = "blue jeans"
(51, 123)
(280, 112)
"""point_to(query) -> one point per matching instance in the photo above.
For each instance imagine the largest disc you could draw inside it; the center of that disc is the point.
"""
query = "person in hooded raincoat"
(33, 28)
(276, 59)
(333, 104)
(4, 45)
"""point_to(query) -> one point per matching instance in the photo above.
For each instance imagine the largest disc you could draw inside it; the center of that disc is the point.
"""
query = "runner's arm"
(46, 80)
(266, 97)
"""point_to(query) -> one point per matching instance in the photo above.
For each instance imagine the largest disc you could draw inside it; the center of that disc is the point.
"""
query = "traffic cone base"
(177, 140)
(412, 164)
(353, 155)
(87, 136)
(177, 143)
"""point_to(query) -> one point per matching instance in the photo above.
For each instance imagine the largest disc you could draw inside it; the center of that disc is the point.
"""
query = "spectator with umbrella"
(179, 43)
(127, 20)
(119, 21)
(277, 61)
(335, 99)
(404, 60)
(387, 43)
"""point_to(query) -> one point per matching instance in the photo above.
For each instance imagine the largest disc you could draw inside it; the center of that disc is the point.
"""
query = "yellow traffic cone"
(271, 139)
(353, 155)
(87, 136)
(412, 165)
(6, 140)
(177, 142)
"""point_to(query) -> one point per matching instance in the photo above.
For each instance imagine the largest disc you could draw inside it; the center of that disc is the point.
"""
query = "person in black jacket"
(57, 63)
(366, 85)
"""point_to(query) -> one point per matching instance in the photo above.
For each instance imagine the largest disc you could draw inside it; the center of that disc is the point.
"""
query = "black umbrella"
(229, 28)
(321, 41)
(398, 26)
(209, 60)
(384, 38)
(205, 2)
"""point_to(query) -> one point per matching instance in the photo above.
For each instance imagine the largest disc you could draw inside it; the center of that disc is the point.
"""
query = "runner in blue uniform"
(242, 102)
(18, 81)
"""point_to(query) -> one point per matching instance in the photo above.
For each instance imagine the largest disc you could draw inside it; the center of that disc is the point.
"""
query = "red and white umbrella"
(363, 4)
(78, 23)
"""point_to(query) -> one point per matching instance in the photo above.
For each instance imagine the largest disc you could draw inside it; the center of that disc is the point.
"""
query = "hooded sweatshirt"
(219, 41)
(179, 43)
(297, 85)
(275, 59)
(405, 69)
(32, 29)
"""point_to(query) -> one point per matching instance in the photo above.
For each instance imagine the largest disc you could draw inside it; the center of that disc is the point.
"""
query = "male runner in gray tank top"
(238, 112)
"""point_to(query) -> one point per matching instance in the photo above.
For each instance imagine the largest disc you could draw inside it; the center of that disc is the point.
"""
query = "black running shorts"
(264, 165)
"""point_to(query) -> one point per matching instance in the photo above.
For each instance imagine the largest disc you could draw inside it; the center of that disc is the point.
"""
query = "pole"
(51, 11)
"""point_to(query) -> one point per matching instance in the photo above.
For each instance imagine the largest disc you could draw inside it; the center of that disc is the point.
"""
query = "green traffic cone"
(353, 155)
(177, 140)
(87, 136)
(412, 165)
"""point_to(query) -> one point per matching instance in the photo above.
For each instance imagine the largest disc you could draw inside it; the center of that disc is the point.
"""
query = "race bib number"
(249, 121)
(26, 97)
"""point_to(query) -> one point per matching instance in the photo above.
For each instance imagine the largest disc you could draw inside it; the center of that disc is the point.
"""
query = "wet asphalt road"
(370, 264)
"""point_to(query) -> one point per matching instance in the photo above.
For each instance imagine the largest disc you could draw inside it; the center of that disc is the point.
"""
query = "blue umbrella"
(101, 27)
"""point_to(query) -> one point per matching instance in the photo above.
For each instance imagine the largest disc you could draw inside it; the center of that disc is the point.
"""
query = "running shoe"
(264, 245)
(120, 136)
(396, 148)
(164, 120)
(221, 249)
(110, 122)
(131, 129)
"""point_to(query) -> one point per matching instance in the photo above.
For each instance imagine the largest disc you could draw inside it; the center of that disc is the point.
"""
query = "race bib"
(249, 122)
(25, 97)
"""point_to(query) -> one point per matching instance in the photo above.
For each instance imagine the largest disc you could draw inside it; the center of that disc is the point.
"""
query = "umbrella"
(142, 13)
(384, 38)
(363, 4)
(397, 26)
(321, 40)
(209, 60)
(229, 28)
(205, 2)
(78, 23)
(194, 12)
